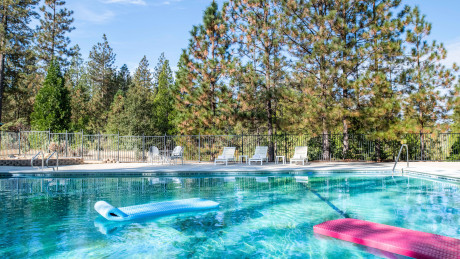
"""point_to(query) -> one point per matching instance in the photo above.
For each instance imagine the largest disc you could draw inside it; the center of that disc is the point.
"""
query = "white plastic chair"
(153, 154)
(228, 154)
(300, 155)
(260, 155)
(177, 154)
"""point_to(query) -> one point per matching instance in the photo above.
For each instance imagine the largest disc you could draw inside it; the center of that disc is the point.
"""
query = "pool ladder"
(55, 168)
(57, 161)
(35, 157)
(399, 155)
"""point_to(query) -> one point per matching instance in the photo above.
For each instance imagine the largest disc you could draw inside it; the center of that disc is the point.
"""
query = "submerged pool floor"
(259, 216)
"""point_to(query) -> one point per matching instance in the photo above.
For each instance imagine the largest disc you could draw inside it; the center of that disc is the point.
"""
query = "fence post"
(49, 139)
(66, 140)
(199, 147)
(118, 146)
(82, 144)
(285, 146)
(99, 146)
(242, 145)
(143, 147)
(164, 143)
(19, 145)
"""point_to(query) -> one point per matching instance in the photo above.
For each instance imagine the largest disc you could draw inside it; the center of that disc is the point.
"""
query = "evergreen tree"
(52, 41)
(207, 105)
(52, 104)
(137, 115)
(425, 78)
(103, 88)
(255, 27)
(159, 68)
(116, 120)
(123, 78)
(163, 102)
(312, 44)
(15, 39)
(77, 81)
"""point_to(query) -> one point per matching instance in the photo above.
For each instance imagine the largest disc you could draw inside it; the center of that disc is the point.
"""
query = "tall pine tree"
(254, 26)
(206, 105)
(15, 39)
(101, 71)
(137, 117)
(163, 103)
(426, 79)
(52, 40)
(52, 104)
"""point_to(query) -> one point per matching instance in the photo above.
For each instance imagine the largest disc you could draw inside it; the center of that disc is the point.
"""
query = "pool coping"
(429, 170)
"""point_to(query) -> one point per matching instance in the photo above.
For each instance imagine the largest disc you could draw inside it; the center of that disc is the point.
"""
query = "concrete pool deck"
(447, 170)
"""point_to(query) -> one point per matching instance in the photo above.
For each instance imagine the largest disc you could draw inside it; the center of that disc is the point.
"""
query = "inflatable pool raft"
(152, 209)
(396, 240)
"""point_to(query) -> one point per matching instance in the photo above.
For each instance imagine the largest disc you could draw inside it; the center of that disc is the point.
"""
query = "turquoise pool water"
(259, 216)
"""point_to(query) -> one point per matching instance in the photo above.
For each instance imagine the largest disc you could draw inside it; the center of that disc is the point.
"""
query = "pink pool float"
(401, 241)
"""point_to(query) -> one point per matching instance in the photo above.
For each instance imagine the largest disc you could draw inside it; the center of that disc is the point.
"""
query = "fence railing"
(330, 147)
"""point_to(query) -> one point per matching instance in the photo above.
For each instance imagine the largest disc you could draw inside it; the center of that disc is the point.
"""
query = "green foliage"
(134, 114)
(205, 104)
(52, 108)
(16, 59)
(163, 102)
(52, 42)
(426, 78)
(101, 72)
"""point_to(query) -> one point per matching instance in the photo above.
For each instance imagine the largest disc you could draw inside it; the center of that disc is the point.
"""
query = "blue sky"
(149, 27)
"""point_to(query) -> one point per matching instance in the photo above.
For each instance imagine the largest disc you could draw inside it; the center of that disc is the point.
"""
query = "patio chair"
(260, 155)
(228, 154)
(177, 154)
(153, 154)
(300, 155)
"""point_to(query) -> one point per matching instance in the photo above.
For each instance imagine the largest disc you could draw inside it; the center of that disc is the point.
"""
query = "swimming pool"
(260, 215)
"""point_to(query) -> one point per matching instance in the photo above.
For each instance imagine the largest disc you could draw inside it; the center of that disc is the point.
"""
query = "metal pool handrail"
(33, 158)
(399, 155)
(57, 161)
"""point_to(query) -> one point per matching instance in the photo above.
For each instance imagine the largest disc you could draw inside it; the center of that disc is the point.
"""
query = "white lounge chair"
(228, 154)
(177, 154)
(153, 154)
(260, 155)
(300, 155)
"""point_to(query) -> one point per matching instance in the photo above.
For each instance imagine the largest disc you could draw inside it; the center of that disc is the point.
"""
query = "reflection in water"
(258, 216)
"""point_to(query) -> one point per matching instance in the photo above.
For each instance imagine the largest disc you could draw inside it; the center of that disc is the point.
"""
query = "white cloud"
(86, 14)
(134, 2)
(453, 53)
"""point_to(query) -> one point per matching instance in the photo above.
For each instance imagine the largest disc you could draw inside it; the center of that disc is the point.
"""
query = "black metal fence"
(330, 147)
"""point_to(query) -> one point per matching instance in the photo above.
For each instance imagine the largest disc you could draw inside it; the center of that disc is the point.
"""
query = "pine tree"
(78, 83)
(116, 120)
(138, 104)
(52, 41)
(159, 68)
(455, 107)
(101, 73)
(163, 102)
(207, 103)
(425, 78)
(15, 39)
(255, 31)
(52, 104)
(311, 42)
(123, 79)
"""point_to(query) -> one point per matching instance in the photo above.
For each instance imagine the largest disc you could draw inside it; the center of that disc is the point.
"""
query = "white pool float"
(152, 209)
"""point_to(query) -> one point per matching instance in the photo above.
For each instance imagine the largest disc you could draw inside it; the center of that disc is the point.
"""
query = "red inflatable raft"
(401, 241)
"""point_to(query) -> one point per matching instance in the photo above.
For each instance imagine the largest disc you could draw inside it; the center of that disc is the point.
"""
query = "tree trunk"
(2, 69)
(2, 59)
